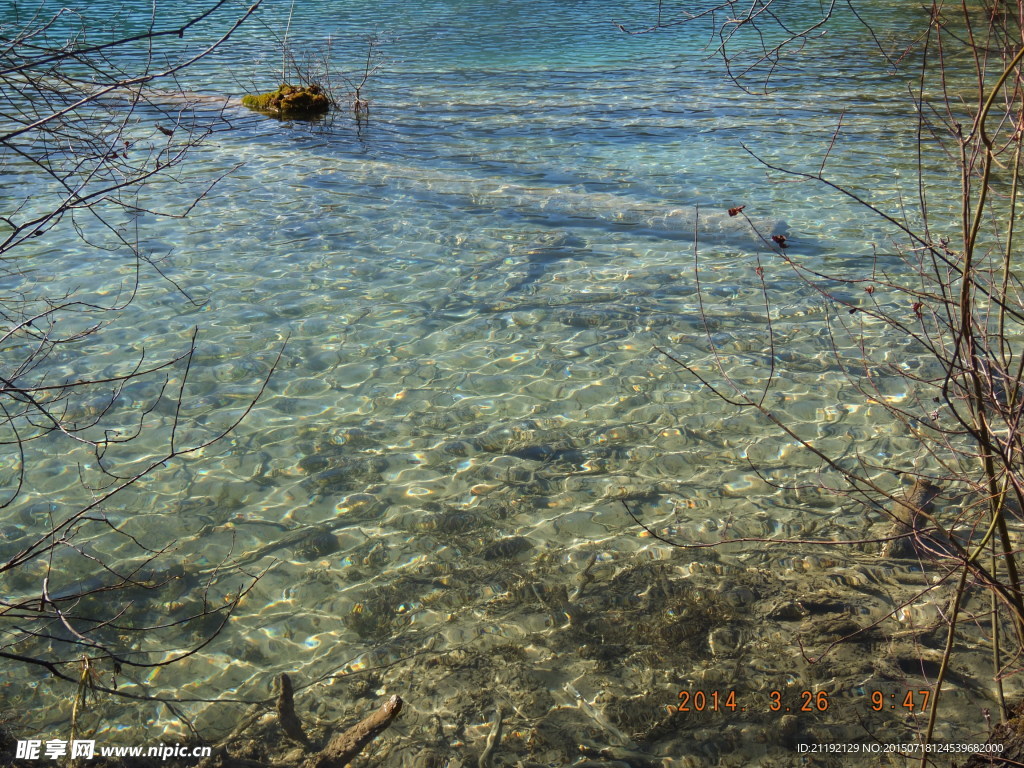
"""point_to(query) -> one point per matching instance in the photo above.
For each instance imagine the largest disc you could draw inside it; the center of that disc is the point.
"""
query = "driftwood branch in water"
(338, 753)
(286, 716)
(343, 747)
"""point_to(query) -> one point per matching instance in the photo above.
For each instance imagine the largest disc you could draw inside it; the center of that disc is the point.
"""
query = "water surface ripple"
(473, 285)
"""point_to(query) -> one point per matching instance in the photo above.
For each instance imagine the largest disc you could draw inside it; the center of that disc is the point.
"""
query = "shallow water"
(470, 290)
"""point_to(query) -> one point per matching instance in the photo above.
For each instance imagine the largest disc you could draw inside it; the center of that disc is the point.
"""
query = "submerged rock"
(911, 515)
(320, 543)
(290, 102)
(510, 546)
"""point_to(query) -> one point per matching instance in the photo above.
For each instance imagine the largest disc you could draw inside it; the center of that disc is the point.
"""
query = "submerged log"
(338, 752)
(286, 716)
(343, 747)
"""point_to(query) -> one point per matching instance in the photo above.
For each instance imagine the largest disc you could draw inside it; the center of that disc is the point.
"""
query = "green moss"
(290, 102)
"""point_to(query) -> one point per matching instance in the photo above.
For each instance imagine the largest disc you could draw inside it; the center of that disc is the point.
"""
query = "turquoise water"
(469, 288)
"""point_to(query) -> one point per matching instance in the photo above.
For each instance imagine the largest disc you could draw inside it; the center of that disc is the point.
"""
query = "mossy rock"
(290, 102)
